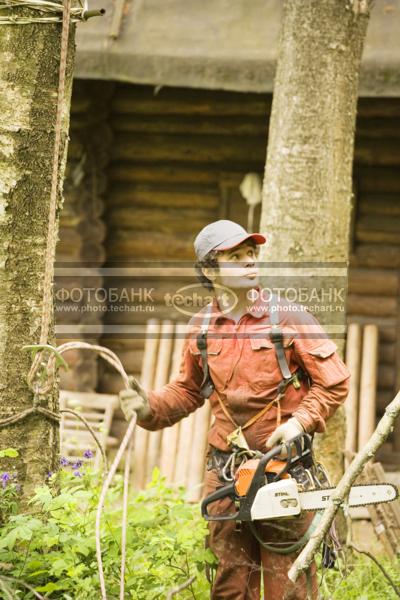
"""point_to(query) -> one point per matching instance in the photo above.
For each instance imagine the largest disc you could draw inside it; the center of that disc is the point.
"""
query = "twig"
(181, 587)
(106, 485)
(381, 567)
(26, 585)
(380, 434)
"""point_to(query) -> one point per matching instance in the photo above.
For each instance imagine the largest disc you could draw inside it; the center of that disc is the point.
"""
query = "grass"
(360, 579)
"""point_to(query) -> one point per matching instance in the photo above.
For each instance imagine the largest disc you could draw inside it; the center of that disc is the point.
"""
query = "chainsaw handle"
(259, 476)
(222, 492)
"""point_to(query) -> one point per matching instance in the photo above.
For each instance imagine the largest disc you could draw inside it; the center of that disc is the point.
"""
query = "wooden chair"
(178, 451)
(98, 411)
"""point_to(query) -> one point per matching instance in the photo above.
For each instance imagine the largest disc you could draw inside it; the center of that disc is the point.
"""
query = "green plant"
(360, 579)
(53, 547)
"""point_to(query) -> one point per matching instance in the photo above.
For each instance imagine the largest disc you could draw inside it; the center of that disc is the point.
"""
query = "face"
(237, 267)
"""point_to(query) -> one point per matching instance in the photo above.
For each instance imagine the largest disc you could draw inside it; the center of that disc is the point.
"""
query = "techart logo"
(190, 299)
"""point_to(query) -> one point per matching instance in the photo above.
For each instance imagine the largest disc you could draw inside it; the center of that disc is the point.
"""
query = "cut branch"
(380, 434)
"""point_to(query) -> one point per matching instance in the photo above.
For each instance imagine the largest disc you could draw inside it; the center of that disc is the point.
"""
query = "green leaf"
(9, 453)
(49, 587)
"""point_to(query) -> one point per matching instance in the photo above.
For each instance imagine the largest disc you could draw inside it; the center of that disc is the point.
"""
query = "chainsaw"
(270, 487)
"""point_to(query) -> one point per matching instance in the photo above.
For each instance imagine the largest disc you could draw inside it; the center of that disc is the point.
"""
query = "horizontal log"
(387, 353)
(154, 197)
(76, 149)
(386, 377)
(191, 125)
(136, 317)
(79, 104)
(170, 221)
(377, 236)
(378, 107)
(191, 149)
(172, 173)
(376, 255)
(382, 223)
(378, 204)
(387, 326)
(158, 246)
(179, 101)
(382, 152)
(74, 284)
(382, 282)
(377, 179)
(77, 202)
(87, 252)
(63, 316)
(378, 128)
(383, 398)
(95, 229)
(373, 306)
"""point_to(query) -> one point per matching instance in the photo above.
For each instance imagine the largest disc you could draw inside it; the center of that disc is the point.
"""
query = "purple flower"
(64, 462)
(49, 474)
(88, 454)
(77, 465)
(77, 474)
(5, 478)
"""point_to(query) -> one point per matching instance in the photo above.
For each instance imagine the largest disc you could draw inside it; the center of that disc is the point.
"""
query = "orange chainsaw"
(271, 487)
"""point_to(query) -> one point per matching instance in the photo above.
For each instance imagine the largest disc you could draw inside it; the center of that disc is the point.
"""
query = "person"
(240, 372)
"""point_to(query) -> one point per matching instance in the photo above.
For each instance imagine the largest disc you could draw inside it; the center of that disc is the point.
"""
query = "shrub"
(53, 547)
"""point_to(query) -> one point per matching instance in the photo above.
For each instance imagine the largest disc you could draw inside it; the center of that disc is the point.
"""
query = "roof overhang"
(215, 44)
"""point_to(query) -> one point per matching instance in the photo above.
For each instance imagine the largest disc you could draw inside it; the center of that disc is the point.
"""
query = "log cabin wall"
(177, 158)
(82, 232)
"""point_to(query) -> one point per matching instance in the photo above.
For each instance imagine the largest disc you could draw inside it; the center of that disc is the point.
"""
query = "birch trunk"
(29, 71)
(307, 192)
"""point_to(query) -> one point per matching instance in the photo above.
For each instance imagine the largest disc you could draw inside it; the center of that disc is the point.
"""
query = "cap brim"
(236, 240)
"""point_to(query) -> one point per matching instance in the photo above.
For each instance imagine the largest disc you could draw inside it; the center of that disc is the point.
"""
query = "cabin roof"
(215, 44)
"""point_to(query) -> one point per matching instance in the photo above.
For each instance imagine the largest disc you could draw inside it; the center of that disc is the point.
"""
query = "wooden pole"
(183, 450)
(160, 379)
(367, 404)
(147, 379)
(353, 362)
(197, 459)
(170, 435)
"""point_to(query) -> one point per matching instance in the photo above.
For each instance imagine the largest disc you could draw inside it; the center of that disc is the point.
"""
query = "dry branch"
(380, 434)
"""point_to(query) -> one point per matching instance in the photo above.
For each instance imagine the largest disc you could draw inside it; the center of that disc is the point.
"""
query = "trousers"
(242, 561)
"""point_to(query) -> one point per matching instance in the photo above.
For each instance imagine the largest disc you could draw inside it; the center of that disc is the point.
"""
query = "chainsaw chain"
(357, 505)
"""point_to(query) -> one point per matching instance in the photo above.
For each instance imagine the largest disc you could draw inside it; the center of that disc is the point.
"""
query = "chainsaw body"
(273, 488)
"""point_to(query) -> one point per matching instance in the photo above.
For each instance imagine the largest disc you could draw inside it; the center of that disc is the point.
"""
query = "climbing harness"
(236, 438)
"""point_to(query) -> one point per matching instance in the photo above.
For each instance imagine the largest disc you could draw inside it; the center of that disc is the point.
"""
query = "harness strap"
(207, 386)
(277, 337)
(255, 417)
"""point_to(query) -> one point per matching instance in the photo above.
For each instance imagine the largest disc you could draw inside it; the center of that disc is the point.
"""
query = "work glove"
(284, 433)
(135, 400)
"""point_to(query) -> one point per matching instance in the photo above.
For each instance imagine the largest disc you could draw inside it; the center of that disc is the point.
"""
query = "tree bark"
(307, 188)
(29, 73)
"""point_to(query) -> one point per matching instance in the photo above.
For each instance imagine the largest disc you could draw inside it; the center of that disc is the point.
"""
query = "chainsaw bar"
(360, 495)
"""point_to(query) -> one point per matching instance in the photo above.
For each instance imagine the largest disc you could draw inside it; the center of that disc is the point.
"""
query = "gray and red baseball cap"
(223, 235)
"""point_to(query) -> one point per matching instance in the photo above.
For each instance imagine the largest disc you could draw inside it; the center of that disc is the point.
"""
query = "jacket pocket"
(214, 347)
(324, 365)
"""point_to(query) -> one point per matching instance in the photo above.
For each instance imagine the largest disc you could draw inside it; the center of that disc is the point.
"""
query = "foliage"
(360, 579)
(53, 547)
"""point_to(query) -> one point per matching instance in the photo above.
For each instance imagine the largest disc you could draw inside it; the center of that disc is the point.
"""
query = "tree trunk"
(29, 72)
(308, 185)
